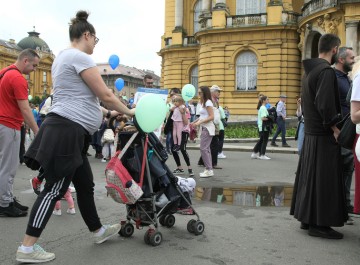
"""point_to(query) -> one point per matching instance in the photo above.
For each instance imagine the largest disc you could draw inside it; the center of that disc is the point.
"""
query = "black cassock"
(319, 194)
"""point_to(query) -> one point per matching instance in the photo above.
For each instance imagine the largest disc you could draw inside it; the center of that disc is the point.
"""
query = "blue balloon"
(119, 84)
(114, 61)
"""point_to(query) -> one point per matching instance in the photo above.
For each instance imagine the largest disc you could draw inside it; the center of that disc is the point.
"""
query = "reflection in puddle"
(248, 195)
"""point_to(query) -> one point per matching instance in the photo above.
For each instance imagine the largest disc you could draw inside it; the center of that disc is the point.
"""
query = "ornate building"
(39, 81)
(249, 47)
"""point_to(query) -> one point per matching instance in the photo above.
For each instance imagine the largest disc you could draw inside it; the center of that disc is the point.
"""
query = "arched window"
(246, 71)
(197, 13)
(245, 7)
(194, 77)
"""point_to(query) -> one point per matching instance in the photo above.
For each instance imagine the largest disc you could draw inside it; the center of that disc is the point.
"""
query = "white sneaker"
(110, 230)
(39, 255)
(221, 155)
(57, 212)
(254, 156)
(207, 173)
(103, 160)
(264, 157)
(72, 189)
(71, 211)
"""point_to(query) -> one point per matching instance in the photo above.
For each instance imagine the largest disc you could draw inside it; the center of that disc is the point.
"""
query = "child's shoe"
(71, 211)
(57, 212)
(191, 172)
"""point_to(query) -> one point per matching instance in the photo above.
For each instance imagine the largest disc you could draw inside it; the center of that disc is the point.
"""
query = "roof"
(10, 44)
(33, 41)
(105, 69)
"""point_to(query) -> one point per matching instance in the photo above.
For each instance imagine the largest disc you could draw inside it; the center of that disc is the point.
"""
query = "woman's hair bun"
(80, 16)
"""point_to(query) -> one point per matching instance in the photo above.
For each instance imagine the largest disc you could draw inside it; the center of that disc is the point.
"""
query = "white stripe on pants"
(9, 162)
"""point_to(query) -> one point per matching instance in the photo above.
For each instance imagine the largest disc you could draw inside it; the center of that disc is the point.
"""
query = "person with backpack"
(14, 110)
(280, 121)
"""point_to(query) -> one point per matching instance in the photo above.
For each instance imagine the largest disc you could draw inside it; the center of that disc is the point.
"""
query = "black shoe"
(19, 206)
(11, 211)
(285, 145)
(350, 208)
(304, 226)
(324, 232)
(191, 173)
(273, 144)
(178, 171)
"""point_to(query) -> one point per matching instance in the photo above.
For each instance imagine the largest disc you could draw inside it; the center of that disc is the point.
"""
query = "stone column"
(206, 6)
(177, 33)
(179, 13)
(352, 34)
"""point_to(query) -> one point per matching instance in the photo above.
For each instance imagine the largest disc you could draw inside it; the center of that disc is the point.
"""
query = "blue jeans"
(168, 141)
(280, 129)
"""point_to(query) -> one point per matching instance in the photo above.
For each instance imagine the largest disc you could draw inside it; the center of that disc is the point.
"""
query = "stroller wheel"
(169, 220)
(162, 220)
(199, 228)
(127, 230)
(155, 239)
(190, 226)
(147, 237)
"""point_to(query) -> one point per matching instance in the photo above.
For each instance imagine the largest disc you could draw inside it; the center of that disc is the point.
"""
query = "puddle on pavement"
(253, 196)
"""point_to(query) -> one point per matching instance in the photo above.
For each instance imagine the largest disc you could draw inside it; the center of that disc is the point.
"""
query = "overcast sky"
(130, 29)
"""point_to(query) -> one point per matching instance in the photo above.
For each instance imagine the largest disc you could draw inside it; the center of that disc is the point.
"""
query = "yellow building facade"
(249, 47)
(39, 81)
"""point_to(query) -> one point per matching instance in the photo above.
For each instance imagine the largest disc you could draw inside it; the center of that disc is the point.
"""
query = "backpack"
(272, 113)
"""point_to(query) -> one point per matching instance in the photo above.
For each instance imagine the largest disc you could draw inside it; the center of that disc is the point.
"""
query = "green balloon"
(188, 92)
(150, 112)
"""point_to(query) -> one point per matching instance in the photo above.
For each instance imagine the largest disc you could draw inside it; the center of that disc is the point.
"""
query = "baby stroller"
(144, 157)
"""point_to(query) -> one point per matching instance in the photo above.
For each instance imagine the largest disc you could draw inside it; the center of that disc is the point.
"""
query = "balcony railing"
(316, 6)
(190, 40)
(246, 20)
(290, 17)
(168, 41)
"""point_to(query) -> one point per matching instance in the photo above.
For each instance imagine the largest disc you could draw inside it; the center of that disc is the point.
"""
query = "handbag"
(108, 136)
(120, 185)
(347, 134)
(224, 122)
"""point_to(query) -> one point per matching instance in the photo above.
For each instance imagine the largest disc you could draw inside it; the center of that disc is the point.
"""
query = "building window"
(44, 77)
(245, 7)
(246, 71)
(194, 77)
(197, 13)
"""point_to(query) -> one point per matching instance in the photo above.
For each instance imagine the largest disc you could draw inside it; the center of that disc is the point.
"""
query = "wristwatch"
(108, 115)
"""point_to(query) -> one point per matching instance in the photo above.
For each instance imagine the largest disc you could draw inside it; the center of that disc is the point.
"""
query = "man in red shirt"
(14, 109)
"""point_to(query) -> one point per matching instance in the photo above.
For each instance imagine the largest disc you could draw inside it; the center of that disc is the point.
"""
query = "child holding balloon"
(178, 121)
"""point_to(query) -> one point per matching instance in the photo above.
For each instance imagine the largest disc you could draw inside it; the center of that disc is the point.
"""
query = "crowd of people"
(91, 115)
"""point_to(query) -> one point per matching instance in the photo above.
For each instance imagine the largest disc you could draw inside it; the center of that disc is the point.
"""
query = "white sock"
(26, 249)
(101, 231)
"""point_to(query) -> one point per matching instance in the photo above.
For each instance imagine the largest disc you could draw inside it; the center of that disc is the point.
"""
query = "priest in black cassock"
(319, 200)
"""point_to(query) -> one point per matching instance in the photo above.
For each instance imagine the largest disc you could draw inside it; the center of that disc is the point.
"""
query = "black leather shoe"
(19, 206)
(324, 232)
(11, 211)
(273, 144)
(304, 226)
(286, 145)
